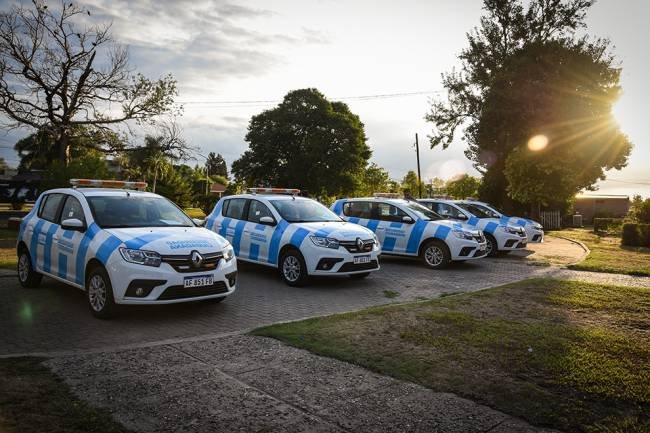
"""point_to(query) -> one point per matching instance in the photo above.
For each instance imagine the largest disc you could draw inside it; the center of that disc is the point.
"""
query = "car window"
(234, 208)
(257, 210)
(50, 207)
(447, 210)
(477, 211)
(303, 211)
(422, 212)
(72, 209)
(388, 212)
(123, 212)
(358, 209)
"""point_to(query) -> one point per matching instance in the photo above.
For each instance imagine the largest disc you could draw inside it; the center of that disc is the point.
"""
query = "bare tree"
(62, 79)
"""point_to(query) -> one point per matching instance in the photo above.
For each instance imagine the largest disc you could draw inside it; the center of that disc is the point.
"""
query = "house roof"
(217, 188)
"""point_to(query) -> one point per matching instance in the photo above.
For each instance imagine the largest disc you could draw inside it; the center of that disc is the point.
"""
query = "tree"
(640, 210)
(374, 179)
(574, 87)
(3, 165)
(463, 186)
(63, 78)
(504, 30)
(305, 142)
(216, 165)
(411, 185)
(84, 164)
(437, 186)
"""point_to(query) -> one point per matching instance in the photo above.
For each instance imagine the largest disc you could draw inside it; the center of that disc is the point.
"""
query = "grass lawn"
(563, 354)
(194, 212)
(34, 400)
(608, 255)
(8, 259)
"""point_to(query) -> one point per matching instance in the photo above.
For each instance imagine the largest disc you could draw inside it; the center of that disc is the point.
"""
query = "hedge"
(607, 225)
(636, 235)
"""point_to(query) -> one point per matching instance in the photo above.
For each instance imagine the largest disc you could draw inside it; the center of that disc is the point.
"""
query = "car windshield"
(491, 209)
(479, 211)
(422, 212)
(133, 211)
(303, 211)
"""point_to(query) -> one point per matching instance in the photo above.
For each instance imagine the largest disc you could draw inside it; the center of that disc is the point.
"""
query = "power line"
(630, 182)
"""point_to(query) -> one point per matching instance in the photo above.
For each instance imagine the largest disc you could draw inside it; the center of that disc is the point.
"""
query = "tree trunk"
(63, 147)
(155, 177)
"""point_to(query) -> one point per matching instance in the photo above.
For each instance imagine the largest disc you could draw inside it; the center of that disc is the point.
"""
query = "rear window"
(358, 209)
(234, 208)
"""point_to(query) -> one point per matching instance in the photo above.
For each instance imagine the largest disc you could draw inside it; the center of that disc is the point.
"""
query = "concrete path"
(254, 384)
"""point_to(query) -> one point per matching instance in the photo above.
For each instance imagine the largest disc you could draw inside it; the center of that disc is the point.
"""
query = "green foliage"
(217, 166)
(463, 187)
(411, 186)
(90, 165)
(373, 179)
(608, 225)
(636, 235)
(305, 142)
(640, 210)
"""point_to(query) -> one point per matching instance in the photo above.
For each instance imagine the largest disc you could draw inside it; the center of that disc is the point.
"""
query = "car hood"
(170, 240)
(519, 221)
(457, 225)
(339, 230)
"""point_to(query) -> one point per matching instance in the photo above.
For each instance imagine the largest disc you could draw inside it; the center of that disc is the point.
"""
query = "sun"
(538, 142)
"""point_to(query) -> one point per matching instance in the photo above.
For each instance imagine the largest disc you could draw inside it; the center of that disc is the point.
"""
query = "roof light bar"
(99, 183)
(291, 191)
(386, 195)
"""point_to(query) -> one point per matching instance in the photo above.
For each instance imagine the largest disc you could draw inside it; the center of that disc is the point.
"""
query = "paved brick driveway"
(54, 318)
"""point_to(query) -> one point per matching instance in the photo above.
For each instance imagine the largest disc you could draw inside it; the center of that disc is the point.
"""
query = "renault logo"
(197, 259)
(359, 244)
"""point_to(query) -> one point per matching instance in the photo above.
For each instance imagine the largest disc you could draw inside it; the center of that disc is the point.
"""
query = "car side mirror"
(267, 220)
(462, 216)
(198, 221)
(407, 219)
(73, 224)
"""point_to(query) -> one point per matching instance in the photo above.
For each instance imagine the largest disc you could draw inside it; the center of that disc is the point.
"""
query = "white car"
(122, 247)
(500, 236)
(405, 227)
(299, 236)
(534, 230)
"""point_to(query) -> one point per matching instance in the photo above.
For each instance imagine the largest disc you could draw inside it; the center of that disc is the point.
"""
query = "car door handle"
(381, 228)
(247, 231)
(55, 238)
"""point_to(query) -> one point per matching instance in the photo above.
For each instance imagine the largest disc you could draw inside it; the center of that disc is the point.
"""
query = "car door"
(391, 227)
(67, 242)
(257, 236)
(45, 232)
(233, 223)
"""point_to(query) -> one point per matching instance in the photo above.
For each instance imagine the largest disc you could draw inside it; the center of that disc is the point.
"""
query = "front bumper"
(327, 261)
(165, 285)
(534, 236)
(511, 242)
(466, 249)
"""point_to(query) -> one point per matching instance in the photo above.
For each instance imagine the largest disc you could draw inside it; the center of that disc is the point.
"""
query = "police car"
(534, 230)
(122, 247)
(405, 227)
(500, 236)
(299, 236)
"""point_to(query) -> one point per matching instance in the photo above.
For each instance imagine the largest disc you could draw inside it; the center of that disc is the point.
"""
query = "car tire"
(99, 294)
(293, 268)
(435, 254)
(27, 276)
(492, 246)
(360, 276)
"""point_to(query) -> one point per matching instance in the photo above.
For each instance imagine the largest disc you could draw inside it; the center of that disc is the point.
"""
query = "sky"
(256, 50)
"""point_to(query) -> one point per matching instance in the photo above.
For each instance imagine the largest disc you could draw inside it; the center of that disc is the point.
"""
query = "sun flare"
(538, 142)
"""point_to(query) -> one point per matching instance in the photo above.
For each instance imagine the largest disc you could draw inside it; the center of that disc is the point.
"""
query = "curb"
(582, 245)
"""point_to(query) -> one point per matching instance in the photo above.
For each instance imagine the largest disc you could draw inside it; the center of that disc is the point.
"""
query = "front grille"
(183, 264)
(180, 292)
(352, 246)
(352, 267)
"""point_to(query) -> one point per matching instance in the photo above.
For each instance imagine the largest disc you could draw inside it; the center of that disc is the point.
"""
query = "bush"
(608, 225)
(636, 235)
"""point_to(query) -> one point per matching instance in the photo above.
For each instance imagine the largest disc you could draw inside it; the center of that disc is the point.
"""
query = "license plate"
(482, 247)
(203, 280)
(361, 259)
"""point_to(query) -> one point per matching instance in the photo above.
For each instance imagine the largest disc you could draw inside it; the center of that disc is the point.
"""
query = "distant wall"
(588, 207)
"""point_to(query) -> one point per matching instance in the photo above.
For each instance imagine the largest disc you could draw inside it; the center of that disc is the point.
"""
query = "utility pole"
(417, 152)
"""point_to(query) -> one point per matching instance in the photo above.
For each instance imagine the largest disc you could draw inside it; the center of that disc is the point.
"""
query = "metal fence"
(551, 219)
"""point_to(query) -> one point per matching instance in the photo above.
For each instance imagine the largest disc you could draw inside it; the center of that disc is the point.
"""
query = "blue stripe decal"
(338, 207)
(473, 221)
(442, 232)
(504, 219)
(26, 219)
(521, 222)
(47, 254)
(212, 219)
(140, 241)
(458, 226)
(80, 261)
(260, 227)
(298, 236)
(236, 240)
(388, 244)
(63, 266)
(68, 234)
(490, 227)
(224, 226)
(396, 225)
(354, 220)
(107, 248)
(276, 237)
(416, 236)
(254, 252)
(372, 225)
(33, 244)
(324, 232)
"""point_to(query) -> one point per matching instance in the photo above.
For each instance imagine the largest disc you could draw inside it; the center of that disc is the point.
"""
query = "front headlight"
(537, 226)
(324, 242)
(511, 230)
(228, 253)
(141, 257)
(462, 234)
